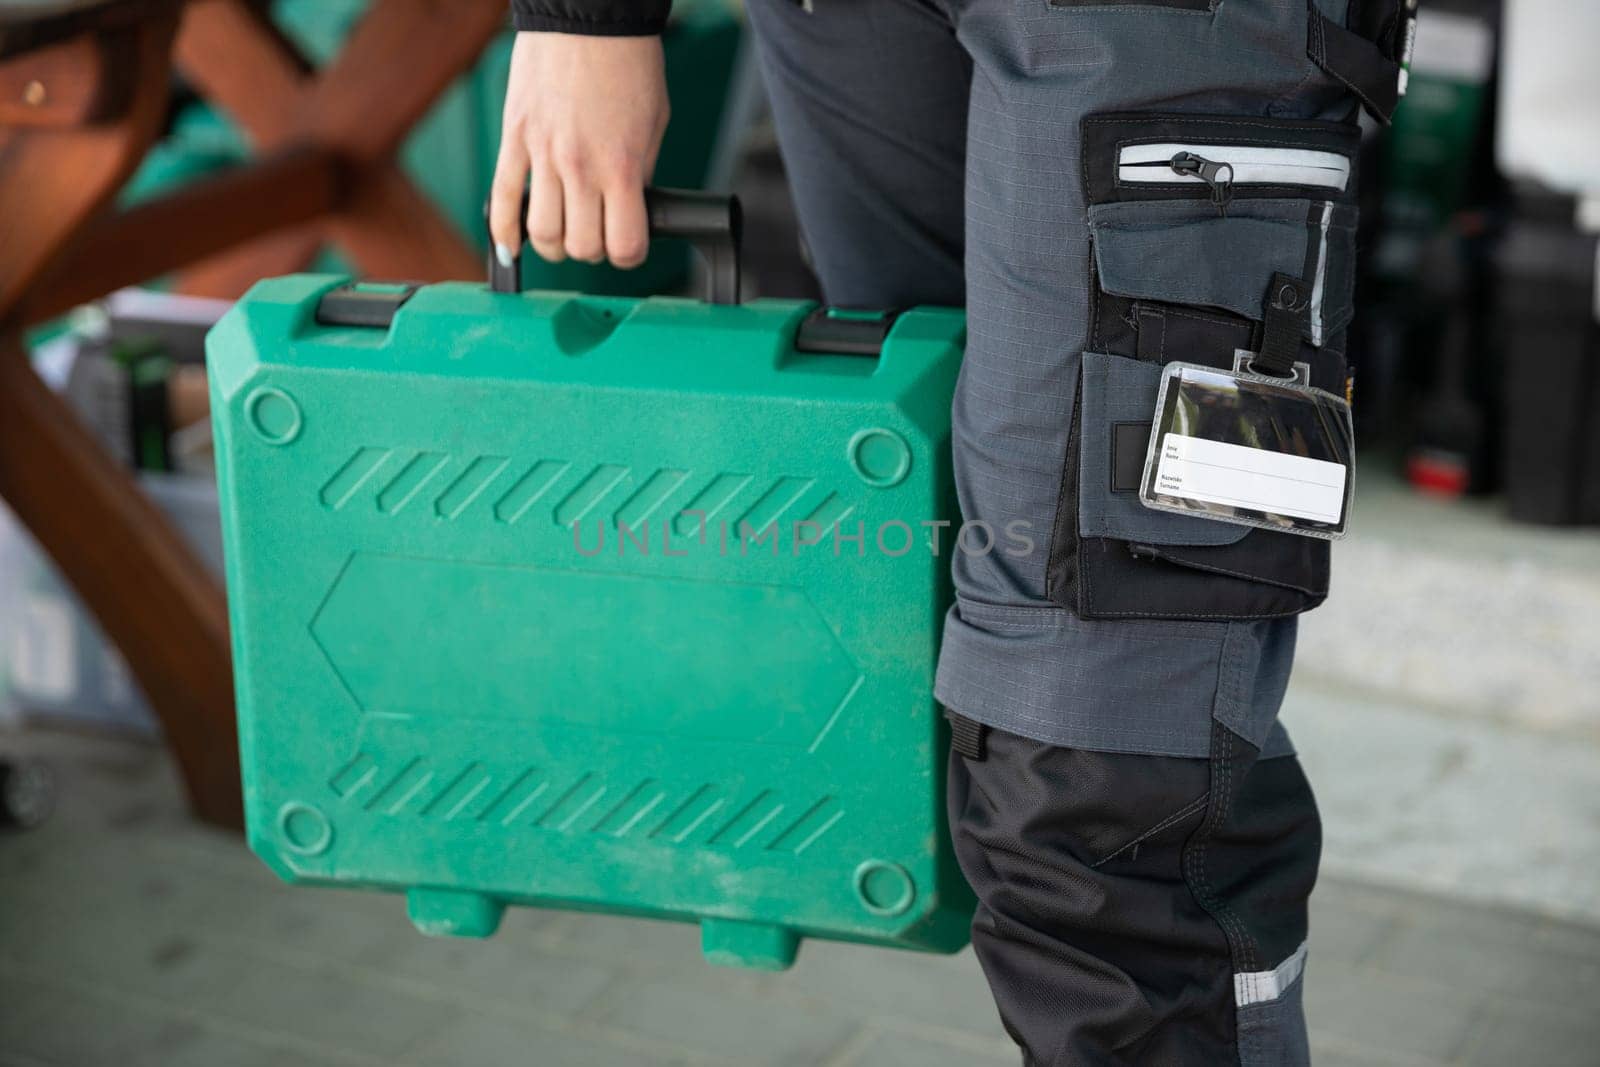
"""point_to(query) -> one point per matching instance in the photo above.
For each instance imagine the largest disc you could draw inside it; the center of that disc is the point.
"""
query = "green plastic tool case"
(601, 603)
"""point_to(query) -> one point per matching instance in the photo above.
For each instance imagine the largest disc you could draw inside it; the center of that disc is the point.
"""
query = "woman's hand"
(584, 116)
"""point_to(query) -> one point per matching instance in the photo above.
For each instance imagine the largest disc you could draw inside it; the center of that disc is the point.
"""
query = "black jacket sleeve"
(605, 18)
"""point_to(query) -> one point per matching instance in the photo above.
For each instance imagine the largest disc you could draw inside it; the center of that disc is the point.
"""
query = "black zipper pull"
(1217, 175)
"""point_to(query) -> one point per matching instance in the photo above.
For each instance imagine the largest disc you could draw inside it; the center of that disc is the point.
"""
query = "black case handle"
(711, 222)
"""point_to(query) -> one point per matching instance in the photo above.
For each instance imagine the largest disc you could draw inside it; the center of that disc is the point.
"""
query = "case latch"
(363, 303)
(844, 331)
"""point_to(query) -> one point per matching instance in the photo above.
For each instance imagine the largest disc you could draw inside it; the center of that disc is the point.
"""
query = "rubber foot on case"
(449, 913)
(731, 943)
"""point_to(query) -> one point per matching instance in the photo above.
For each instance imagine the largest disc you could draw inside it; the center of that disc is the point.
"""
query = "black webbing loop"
(966, 736)
(1360, 64)
(1287, 304)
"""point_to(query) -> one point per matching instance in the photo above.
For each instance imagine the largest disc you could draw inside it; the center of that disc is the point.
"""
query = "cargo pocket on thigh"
(1134, 562)
(1186, 252)
(1190, 220)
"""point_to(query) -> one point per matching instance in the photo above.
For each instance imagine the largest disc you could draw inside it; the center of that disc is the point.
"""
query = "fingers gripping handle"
(708, 221)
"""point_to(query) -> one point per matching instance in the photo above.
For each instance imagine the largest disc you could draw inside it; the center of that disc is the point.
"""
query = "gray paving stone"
(1328, 1053)
(486, 1040)
(329, 1010)
(648, 946)
(336, 923)
(1517, 957)
(1570, 938)
(1425, 592)
(729, 1025)
(1364, 897)
(1368, 1010)
(85, 1028)
(897, 1050)
(516, 978)
(664, 952)
(1517, 1034)
(1467, 944)
(1412, 797)
(85, 1031)
(211, 1048)
(78, 1031)
(107, 950)
(1348, 925)
(946, 992)
(206, 960)
(21, 1002)
(22, 858)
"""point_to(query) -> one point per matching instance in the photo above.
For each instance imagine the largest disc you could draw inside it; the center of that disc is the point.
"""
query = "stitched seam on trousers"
(1081, 571)
(1157, 630)
(1313, 14)
(1123, 732)
(973, 783)
(1125, 8)
(1278, 126)
(1317, 49)
(1176, 817)
(1236, 616)
(1178, 311)
(1210, 320)
(1214, 569)
(1239, 943)
(1093, 256)
(1316, 44)
(1061, 488)
(1248, 961)
(1021, 627)
(1288, 98)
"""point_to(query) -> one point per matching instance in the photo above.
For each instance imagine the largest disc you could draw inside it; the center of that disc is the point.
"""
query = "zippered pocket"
(1225, 167)
(1134, 156)
(1200, 212)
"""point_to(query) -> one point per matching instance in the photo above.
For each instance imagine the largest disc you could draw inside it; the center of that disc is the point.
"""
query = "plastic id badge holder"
(1247, 448)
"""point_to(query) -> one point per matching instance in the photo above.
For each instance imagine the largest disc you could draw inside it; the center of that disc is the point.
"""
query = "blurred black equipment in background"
(1548, 306)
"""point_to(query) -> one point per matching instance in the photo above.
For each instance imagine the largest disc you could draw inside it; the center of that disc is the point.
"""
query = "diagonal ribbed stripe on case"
(393, 481)
(705, 816)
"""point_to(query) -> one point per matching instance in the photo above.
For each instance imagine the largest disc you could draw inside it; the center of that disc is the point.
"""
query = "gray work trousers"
(1132, 817)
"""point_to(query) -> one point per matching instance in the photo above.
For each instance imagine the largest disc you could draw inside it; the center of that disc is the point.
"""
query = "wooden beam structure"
(84, 89)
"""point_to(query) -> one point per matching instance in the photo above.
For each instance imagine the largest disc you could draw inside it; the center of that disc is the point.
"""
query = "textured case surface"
(498, 639)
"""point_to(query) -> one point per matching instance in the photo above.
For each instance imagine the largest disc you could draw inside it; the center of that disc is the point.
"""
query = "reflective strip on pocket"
(1250, 164)
(1319, 284)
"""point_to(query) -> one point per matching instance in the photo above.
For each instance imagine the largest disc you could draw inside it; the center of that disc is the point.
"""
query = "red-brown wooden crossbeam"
(80, 104)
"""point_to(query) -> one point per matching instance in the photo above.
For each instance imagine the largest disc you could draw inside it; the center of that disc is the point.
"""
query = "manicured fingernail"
(503, 254)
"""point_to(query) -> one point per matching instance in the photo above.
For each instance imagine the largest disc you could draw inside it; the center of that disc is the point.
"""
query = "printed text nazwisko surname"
(893, 538)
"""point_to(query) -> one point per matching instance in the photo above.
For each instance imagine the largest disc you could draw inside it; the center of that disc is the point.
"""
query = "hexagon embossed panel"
(617, 652)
